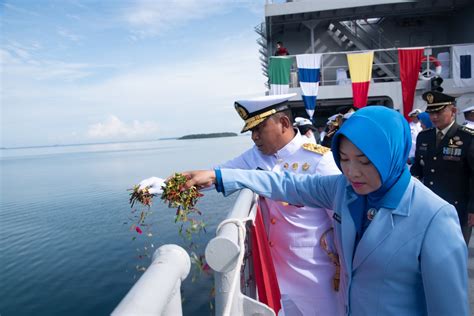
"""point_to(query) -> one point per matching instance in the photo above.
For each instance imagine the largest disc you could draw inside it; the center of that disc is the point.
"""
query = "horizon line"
(85, 144)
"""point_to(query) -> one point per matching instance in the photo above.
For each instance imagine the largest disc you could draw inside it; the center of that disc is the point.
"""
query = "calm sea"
(66, 247)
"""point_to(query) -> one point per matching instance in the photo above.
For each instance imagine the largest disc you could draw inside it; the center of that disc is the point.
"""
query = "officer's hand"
(154, 185)
(470, 220)
(200, 178)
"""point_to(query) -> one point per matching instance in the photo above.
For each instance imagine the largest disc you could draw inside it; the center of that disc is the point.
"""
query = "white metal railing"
(158, 291)
(224, 254)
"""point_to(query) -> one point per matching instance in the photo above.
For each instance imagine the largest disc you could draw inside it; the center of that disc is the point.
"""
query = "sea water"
(66, 243)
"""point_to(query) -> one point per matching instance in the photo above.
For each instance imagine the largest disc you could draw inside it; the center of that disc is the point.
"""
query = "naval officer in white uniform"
(305, 268)
(469, 117)
(415, 129)
(305, 272)
(307, 130)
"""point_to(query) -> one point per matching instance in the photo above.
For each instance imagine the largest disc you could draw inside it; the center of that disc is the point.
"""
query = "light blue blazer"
(411, 260)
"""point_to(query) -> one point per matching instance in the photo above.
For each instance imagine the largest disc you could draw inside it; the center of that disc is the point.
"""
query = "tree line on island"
(209, 135)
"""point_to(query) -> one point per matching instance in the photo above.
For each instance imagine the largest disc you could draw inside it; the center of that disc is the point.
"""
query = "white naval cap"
(301, 121)
(348, 115)
(414, 112)
(468, 109)
(333, 119)
(255, 111)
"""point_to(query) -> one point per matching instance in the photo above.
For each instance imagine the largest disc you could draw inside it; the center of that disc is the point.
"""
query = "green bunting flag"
(279, 74)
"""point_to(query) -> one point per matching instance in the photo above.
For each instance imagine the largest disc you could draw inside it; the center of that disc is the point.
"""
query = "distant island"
(210, 135)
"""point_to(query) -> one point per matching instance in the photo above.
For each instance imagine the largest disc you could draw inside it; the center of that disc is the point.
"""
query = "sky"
(77, 71)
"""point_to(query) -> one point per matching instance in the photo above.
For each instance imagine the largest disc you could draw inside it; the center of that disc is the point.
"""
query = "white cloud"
(186, 96)
(74, 17)
(20, 62)
(9, 6)
(162, 14)
(114, 128)
(68, 34)
(150, 18)
(198, 93)
(204, 83)
(22, 51)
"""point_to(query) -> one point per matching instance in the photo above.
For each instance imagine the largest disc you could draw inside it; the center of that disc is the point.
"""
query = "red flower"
(138, 229)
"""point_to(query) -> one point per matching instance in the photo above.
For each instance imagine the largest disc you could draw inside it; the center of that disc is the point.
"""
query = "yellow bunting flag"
(360, 68)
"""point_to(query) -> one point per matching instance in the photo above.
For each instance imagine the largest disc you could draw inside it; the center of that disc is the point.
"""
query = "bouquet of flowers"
(184, 200)
(176, 195)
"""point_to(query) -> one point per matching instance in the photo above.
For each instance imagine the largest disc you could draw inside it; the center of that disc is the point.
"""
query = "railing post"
(157, 292)
(222, 254)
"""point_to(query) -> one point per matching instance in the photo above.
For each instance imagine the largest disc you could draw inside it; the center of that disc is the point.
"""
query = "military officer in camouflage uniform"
(304, 271)
(444, 158)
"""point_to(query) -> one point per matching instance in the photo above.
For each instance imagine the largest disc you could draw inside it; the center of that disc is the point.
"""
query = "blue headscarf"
(383, 135)
(425, 119)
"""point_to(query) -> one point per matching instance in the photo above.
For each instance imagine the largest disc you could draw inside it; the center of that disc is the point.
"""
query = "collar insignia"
(430, 98)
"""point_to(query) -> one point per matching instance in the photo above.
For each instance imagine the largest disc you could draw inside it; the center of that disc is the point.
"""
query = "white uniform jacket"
(304, 270)
(415, 129)
(411, 260)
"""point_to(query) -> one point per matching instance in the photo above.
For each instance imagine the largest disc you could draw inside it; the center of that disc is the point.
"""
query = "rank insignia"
(315, 148)
(430, 98)
(459, 142)
(286, 165)
(456, 138)
(305, 166)
(294, 166)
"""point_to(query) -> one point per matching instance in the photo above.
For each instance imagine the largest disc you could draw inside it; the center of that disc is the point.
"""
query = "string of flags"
(360, 70)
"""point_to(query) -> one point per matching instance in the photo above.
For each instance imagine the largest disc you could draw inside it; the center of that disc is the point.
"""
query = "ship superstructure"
(336, 27)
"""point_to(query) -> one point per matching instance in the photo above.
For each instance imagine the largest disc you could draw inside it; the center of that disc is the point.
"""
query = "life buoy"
(428, 73)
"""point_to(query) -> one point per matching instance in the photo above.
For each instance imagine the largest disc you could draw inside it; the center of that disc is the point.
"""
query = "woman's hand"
(200, 178)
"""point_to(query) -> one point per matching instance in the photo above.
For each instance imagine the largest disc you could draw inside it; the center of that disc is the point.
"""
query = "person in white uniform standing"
(307, 130)
(415, 128)
(469, 117)
(304, 271)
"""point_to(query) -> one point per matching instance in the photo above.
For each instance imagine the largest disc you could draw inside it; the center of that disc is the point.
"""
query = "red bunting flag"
(410, 63)
(264, 270)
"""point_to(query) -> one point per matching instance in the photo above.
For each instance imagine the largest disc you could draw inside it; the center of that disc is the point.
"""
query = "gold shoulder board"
(315, 148)
(468, 130)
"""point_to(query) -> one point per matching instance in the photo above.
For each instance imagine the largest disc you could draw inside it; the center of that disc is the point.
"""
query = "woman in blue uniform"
(402, 246)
